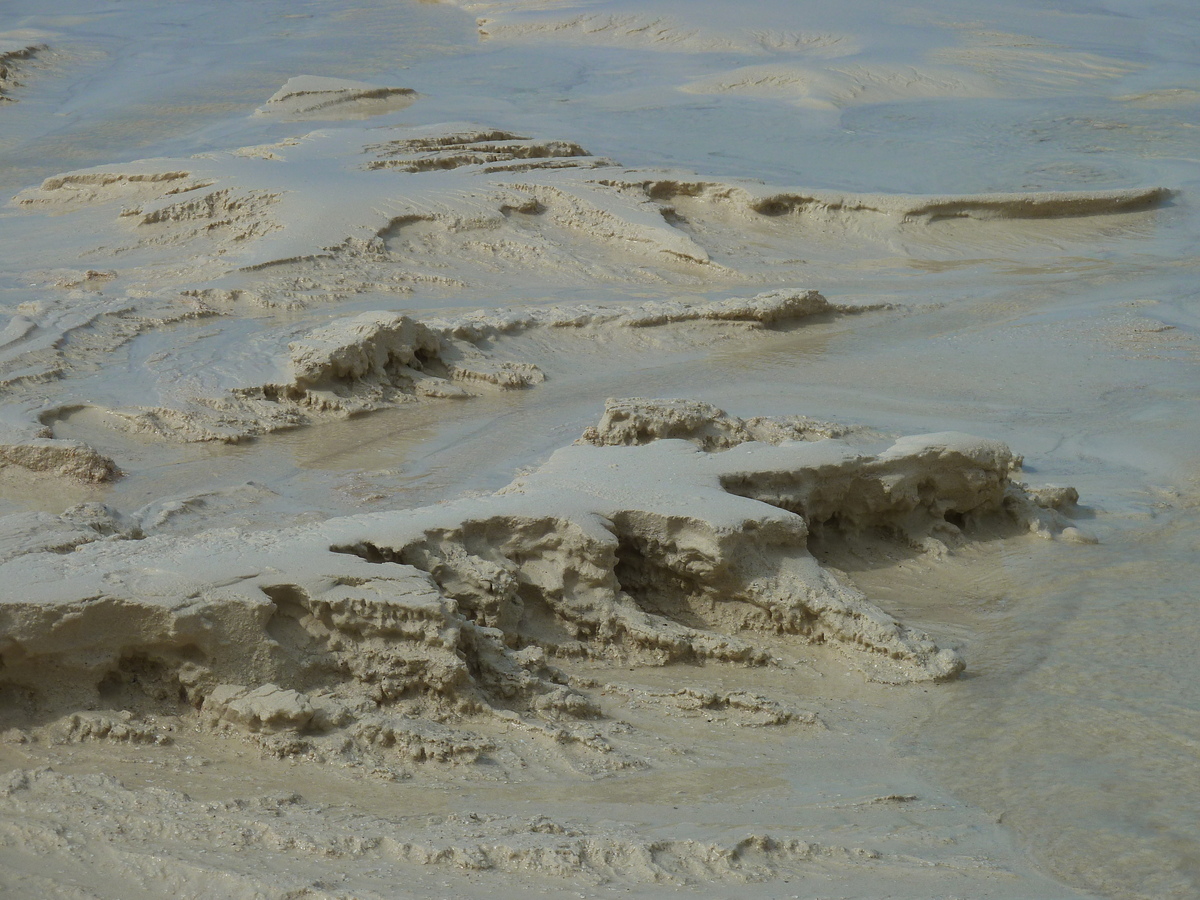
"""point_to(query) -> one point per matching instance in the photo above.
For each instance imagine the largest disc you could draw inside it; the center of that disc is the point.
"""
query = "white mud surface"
(678, 449)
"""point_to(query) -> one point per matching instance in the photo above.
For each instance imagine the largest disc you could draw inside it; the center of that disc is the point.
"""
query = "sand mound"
(66, 458)
(315, 97)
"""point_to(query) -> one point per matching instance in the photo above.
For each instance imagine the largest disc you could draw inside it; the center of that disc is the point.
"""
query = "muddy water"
(1079, 728)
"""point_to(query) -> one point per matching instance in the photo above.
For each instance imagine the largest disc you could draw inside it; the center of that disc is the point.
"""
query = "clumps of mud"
(376, 359)
(1046, 511)
(398, 638)
(123, 727)
(636, 421)
(314, 97)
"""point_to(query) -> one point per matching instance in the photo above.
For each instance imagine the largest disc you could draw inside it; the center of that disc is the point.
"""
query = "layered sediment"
(385, 636)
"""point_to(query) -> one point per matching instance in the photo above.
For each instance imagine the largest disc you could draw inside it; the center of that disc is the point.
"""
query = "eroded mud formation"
(391, 633)
(255, 240)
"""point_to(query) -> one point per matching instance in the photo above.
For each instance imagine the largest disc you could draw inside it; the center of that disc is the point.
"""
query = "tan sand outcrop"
(66, 458)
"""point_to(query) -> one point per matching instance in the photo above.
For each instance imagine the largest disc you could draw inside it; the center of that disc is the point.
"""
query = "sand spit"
(395, 638)
(764, 231)
(316, 97)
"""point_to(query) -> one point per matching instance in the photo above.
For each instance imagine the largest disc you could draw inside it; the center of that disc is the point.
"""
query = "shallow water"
(1074, 341)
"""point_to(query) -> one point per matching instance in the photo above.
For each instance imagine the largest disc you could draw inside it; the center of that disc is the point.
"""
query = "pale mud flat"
(599, 449)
